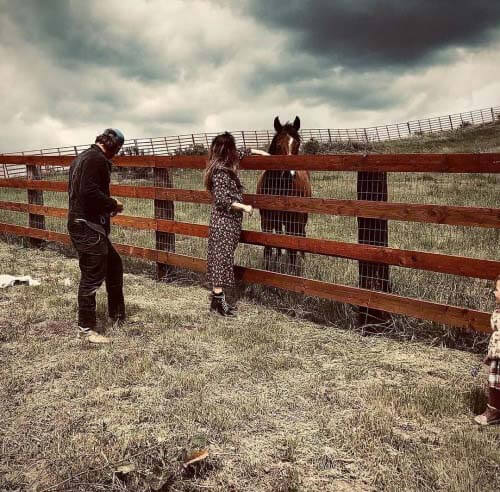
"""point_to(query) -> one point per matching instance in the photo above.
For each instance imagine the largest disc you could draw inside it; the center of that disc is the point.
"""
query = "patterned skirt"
(223, 239)
(494, 375)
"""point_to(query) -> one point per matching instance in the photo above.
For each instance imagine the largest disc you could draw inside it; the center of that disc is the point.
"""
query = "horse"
(286, 141)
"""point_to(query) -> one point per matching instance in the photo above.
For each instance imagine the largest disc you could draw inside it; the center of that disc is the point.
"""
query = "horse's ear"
(296, 123)
(277, 124)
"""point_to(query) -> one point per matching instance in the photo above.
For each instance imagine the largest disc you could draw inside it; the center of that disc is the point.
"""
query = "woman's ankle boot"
(220, 305)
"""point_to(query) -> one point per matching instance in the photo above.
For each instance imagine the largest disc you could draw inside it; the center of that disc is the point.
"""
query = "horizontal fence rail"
(395, 163)
(373, 255)
(200, 142)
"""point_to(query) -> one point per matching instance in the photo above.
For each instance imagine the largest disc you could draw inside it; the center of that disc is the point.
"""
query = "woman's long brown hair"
(222, 155)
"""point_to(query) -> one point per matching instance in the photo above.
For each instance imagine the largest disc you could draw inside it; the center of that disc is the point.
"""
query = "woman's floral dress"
(225, 227)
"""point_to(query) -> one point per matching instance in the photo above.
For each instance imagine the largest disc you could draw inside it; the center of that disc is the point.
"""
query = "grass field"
(280, 404)
(283, 398)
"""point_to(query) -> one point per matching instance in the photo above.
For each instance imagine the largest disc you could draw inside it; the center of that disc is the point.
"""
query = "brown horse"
(286, 141)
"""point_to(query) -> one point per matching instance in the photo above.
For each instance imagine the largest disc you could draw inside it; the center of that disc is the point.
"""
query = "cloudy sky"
(70, 68)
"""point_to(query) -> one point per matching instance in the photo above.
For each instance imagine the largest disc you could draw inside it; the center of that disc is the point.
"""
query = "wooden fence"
(373, 206)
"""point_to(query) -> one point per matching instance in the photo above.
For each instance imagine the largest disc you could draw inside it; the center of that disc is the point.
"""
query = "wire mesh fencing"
(199, 143)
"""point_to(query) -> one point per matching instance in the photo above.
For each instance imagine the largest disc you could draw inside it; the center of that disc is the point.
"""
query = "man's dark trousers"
(99, 262)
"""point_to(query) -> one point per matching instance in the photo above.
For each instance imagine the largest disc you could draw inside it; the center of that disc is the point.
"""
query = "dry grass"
(280, 404)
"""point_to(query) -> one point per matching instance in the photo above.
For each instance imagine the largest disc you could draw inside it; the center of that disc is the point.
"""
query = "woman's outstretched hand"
(259, 152)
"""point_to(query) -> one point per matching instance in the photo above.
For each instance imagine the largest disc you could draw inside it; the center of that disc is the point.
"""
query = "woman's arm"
(259, 152)
(222, 196)
(241, 206)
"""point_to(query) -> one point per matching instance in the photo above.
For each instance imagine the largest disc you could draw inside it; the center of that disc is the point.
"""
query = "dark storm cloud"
(369, 34)
(314, 84)
(75, 37)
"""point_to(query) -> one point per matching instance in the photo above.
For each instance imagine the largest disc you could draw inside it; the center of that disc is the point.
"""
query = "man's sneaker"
(92, 336)
(490, 416)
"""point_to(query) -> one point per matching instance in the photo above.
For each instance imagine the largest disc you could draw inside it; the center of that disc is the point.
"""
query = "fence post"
(409, 129)
(492, 115)
(451, 121)
(35, 197)
(373, 276)
(164, 209)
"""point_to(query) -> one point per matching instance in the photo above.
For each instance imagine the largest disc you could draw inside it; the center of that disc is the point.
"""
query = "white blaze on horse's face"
(290, 147)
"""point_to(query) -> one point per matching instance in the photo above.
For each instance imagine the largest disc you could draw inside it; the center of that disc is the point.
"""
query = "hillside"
(478, 138)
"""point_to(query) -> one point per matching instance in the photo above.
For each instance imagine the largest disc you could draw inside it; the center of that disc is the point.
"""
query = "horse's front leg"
(266, 225)
(295, 226)
(302, 231)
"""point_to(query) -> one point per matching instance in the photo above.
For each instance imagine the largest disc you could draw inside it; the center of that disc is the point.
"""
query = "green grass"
(279, 403)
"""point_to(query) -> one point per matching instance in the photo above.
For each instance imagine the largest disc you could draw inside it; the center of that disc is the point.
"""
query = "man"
(90, 209)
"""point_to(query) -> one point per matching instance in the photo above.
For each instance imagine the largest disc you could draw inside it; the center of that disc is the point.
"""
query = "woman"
(221, 179)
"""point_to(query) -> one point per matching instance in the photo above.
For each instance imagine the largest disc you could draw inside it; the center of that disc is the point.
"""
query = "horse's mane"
(287, 128)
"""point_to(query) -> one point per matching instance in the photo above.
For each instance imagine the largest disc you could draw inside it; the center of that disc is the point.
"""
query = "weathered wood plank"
(35, 196)
(163, 209)
(437, 163)
(372, 186)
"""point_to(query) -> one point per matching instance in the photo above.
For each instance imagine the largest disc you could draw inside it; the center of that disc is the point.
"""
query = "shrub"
(312, 146)
(133, 172)
(196, 149)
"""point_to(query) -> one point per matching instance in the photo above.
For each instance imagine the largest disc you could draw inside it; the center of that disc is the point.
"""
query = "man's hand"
(118, 209)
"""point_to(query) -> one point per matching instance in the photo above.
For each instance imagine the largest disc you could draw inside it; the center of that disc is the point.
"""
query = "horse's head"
(286, 141)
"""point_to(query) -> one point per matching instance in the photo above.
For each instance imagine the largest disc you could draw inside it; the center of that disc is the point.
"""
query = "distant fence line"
(199, 142)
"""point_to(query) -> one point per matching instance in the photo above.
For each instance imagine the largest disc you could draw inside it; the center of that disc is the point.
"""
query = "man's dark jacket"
(89, 196)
